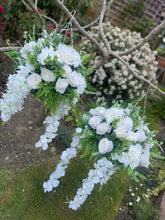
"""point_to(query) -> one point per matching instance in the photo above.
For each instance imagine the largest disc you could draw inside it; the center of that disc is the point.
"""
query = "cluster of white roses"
(33, 59)
(111, 129)
(67, 56)
(113, 78)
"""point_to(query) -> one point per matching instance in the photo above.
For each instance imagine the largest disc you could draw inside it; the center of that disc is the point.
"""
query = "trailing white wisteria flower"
(17, 91)
(33, 80)
(103, 171)
(52, 124)
(47, 75)
(66, 156)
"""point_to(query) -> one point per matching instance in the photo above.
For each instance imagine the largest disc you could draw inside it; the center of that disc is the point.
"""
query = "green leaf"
(158, 156)
(69, 118)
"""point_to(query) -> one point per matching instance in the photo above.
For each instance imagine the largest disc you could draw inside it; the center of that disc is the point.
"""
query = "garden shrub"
(113, 78)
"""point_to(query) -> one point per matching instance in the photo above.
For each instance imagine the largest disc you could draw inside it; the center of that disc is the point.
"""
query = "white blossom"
(33, 80)
(68, 55)
(47, 75)
(105, 146)
(102, 128)
(61, 85)
(95, 121)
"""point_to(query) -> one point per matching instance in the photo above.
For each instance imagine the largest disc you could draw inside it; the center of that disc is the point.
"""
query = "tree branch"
(101, 27)
(37, 14)
(80, 29)
(152, 34)
(135, 74)
(7, 49)
(50, 19)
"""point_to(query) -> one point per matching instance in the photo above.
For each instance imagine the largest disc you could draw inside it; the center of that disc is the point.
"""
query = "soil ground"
(19, 135)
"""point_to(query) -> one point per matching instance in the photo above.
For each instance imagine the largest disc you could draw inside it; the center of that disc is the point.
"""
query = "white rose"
(61, 85)
(67, 70)
(127, 122)
(102, 128)
(105, 146)
(75, 79)
(121, 131)
(47, 75)
(33, 80)
(131, 136)
(141, 135)
(98, 111)
(68, 55)
(94, 121)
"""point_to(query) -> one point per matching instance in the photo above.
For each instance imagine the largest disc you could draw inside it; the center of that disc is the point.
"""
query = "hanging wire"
(69, 26)
(145, 101)
(145, 95)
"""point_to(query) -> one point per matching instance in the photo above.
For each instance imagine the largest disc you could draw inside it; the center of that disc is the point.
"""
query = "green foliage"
(63, 138)
(144, 210)
(52, 99)
(22, 195)
(13, 22)
(158, 178)
(161, 51)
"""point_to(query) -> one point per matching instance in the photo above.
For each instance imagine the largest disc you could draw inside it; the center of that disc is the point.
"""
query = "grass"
(22, 196)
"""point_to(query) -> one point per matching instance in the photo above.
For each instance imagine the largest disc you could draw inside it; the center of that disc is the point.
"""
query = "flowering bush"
(116, 138)
(52, 71)
(113, 78)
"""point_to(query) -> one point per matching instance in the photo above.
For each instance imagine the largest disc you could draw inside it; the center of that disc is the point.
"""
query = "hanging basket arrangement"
(115, 138)
(53, 72)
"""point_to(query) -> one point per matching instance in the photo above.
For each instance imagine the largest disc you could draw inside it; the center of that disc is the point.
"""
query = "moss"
(22, 195)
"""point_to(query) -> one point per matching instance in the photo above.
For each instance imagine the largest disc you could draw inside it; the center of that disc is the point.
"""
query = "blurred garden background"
(24, 168)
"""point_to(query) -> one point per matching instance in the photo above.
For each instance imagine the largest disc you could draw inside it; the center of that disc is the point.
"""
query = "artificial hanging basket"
(53, 72)
(116, 138)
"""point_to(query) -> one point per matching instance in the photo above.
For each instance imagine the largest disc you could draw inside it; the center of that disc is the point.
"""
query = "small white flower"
(61, 85)
(138, 199)
(47, 75)
(94, 121)
(33, 80)
(132, 194)
(130, 203)
(105, 146)
(78, 130)
(102, 128)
